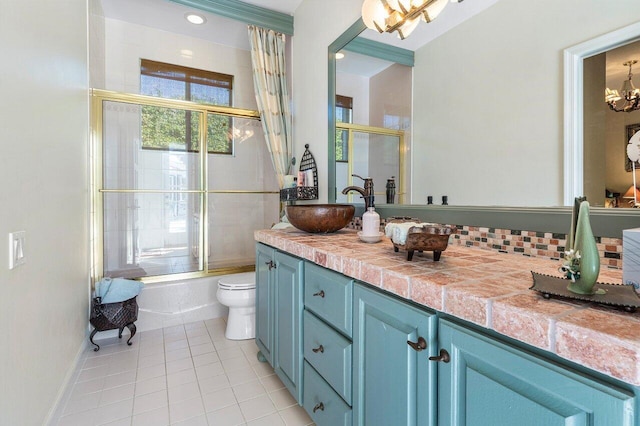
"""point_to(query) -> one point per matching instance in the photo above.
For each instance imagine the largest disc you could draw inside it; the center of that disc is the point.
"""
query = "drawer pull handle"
(444, 356)
(319, 406)
(270, 264)
(320, 293)
(419, 345)
(318, 349)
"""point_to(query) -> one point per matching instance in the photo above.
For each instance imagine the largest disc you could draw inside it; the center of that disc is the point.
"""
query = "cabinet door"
(288, 322)
(487, 382)
(393, 384)
(264, 300)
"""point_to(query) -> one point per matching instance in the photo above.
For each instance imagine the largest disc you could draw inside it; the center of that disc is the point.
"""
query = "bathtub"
(175, 302)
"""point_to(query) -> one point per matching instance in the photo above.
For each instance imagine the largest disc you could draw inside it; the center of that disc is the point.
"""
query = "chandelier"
(628, 92)
(402, 16)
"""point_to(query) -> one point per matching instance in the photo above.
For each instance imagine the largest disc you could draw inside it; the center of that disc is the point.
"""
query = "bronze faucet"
(366, 192)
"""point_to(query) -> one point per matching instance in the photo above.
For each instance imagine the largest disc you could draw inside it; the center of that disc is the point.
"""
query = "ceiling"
(616, 72)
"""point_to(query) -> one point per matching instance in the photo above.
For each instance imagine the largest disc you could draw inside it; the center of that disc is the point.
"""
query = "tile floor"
(182, 375)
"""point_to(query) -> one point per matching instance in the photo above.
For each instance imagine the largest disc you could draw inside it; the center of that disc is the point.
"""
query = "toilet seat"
(238, 282)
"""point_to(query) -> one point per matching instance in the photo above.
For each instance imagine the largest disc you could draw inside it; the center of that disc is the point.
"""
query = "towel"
(398, 231)
(114, 290)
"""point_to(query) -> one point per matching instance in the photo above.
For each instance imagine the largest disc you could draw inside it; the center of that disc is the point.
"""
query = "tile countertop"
(487, 288)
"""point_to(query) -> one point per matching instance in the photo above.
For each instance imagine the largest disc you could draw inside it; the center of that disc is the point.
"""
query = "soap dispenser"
(371, 220)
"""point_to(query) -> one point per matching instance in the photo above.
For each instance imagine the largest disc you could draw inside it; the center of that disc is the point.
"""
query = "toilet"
(238, 292)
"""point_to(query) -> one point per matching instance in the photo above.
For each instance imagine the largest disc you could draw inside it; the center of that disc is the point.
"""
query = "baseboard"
(63, 393)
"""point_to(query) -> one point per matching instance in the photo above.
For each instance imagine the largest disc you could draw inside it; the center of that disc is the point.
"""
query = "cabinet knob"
(270, 264)
(444, 356)
(319, 406)
(419, 345)
(320, 293)
(318, 349)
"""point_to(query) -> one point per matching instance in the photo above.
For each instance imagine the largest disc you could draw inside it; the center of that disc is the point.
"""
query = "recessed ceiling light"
(339, 55)
(194, 18)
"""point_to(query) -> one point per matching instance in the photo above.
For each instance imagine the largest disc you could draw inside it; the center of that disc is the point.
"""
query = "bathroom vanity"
(361, 336)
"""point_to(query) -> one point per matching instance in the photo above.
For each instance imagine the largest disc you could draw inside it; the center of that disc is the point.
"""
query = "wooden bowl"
(320, 218)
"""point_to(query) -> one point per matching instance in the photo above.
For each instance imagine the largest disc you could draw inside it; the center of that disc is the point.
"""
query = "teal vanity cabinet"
(279, 287)
(394, 382)
(328, 298)
(264, 300)
(487, 382)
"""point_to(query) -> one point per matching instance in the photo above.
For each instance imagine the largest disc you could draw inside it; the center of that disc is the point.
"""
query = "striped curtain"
(268, 65)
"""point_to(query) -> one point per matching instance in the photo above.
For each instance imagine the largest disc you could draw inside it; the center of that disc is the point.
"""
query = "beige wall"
(43, 169)
(595, 126)
(489, 95)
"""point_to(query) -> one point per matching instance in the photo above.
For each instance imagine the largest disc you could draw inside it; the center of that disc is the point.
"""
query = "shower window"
(344, 114)
(178, 129)
(162, 212)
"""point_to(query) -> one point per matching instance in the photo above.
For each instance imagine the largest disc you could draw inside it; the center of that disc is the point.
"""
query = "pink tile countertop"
(487, 288)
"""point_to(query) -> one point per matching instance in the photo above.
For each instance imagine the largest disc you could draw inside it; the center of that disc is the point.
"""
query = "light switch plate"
(16, 249)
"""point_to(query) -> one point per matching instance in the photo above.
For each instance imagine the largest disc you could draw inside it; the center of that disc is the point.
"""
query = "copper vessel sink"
(320, 218)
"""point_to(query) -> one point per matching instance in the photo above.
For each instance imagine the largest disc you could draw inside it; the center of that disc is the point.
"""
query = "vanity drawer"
(324, 406)
(329, 353)
(328, 294)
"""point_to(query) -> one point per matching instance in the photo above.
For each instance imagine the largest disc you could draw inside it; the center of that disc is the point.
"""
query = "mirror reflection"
(606, 171)
(609, 179)
(373, 123)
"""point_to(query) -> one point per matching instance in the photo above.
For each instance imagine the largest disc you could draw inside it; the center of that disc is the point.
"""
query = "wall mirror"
(370, 118)
(580, 177)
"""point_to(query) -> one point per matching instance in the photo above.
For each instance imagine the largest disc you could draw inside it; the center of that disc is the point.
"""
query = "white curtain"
(269, 79)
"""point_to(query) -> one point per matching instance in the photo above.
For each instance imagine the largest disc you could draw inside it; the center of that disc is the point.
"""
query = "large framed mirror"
(570, 170)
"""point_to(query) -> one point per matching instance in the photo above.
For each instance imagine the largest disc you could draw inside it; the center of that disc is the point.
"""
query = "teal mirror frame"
(349, 41)
(604, 222)
(334, 47)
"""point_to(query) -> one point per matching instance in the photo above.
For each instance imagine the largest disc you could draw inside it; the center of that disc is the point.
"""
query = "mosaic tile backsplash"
(527, 243)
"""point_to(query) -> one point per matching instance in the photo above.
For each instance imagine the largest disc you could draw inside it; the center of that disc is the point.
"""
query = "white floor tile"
(150, 401)
(228, 416)
(174, 376)
(295, 416)
(205, 359)
(217, 400)
(194, 421)
(178, 354)
(179, 365)
(120, 393)
(202, 349)
(238, 377)
(151, 360)
(257, 407)
(183, 392)
(282, 399)
(112, 412)
(181, 377)
(78, 419)
(83, 403)
(215, 383)
(271, 383)
(119, 379)
(151, 385)
(146, 373)
(200, 340)
(186, 409)
(248, 391)
(93, 373)
(226, 352)
(209, 370)
(158, 417)
(175, 345)
(232, 364)
(270, 420)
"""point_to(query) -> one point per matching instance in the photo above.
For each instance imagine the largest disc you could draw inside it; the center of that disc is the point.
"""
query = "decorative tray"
(426, 237)
(620, 295)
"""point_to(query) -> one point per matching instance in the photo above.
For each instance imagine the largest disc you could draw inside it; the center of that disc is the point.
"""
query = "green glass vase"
(585, 245)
